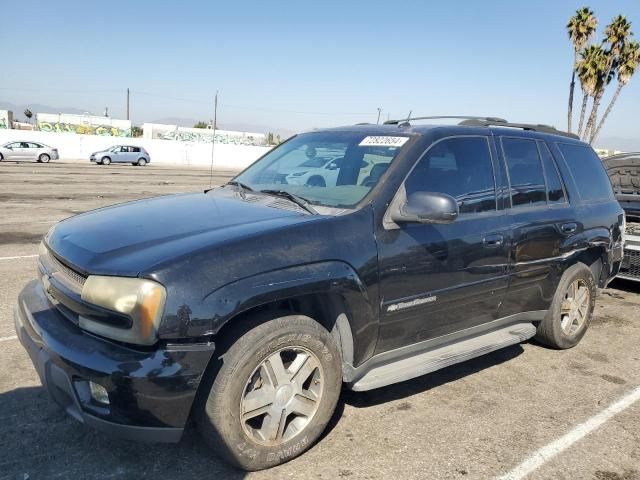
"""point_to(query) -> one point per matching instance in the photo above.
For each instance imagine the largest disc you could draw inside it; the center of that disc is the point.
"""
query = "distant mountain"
(619, 143)
(38, 108)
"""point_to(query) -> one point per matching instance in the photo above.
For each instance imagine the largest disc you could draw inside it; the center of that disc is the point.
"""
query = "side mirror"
(427, 207)
(332, 166)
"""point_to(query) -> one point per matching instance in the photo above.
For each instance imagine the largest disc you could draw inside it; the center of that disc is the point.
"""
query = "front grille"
(631, 264)
(67, 272)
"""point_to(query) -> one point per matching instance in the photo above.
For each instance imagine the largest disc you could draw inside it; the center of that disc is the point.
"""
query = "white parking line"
(6, 339)
(17, 257)
(549, 451)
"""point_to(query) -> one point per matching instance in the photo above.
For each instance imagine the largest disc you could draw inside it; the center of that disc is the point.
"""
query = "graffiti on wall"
(205, 137)
(87, 129)
(3, 123)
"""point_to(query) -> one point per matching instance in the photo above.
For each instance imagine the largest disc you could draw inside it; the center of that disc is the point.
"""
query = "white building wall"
(74, 147)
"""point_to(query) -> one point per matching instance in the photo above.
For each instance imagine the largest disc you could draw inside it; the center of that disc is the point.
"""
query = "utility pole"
(379, 111)
(128, 104)
(213, 139)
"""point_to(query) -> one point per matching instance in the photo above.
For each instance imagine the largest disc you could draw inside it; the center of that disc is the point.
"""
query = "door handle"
(493, 241)
(569, 227)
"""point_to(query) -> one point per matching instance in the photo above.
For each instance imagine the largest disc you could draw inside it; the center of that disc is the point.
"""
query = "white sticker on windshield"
(383, 141)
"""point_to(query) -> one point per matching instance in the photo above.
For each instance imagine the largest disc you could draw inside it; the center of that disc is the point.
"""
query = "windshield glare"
(334, 169)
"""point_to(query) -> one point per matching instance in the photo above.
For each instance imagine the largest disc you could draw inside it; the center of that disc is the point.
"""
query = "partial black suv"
(249, 306)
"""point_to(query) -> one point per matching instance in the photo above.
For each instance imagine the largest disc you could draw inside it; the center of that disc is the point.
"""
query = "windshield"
(334, 169)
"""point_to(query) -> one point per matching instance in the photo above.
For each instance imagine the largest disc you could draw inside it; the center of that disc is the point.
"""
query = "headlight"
(299, 174)
(139, 299)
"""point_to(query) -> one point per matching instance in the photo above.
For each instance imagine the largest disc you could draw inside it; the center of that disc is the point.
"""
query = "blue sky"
(299, 65)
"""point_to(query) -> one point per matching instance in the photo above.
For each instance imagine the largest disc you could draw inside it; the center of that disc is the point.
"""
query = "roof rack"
(485, 122)
(405, 121)
(491, 122)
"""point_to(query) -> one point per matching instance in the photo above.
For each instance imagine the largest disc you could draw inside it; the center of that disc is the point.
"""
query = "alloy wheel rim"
(575, 306)
(281, 396)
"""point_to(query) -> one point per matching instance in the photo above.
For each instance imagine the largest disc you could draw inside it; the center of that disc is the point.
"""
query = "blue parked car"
(122, 154)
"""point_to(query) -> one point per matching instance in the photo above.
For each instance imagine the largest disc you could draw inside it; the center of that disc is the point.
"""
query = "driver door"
(436, 279)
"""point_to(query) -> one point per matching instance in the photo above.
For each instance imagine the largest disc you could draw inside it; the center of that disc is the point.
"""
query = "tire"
(249, 444)
(316, 181)
(142, 162)
(563, 326)
(44, 158)
(1, 157)
(105, 161)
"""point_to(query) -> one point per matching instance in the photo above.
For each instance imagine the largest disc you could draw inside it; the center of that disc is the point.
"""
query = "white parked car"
(316, 172)
(28, 151)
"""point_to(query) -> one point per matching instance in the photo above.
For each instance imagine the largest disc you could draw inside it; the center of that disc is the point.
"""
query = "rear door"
(542, 221)
(33, 151)
(439, 279)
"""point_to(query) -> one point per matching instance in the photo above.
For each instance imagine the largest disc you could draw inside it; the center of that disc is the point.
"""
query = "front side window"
(525, 172)
(333, 169)
(460, 167)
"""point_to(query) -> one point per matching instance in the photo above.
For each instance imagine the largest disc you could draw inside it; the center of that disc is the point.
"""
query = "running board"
(441, 356)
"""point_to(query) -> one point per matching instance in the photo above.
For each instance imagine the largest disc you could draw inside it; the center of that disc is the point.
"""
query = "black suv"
(248, 306)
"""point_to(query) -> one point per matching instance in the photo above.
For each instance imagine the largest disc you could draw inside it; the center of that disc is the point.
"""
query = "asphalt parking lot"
(477, 420)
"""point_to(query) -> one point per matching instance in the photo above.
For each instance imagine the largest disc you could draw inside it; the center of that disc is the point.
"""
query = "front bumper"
(150, 392)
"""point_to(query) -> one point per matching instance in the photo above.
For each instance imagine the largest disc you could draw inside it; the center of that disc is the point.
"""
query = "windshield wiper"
(300, 201)
(243, 186)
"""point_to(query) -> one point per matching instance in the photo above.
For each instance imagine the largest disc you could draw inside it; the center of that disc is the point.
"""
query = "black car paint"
(222, 253)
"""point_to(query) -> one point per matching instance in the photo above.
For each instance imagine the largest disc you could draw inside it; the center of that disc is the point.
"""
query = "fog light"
(99, 393)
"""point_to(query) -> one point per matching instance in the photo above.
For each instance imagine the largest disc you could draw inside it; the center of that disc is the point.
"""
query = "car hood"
(130, 238)
(624, 173)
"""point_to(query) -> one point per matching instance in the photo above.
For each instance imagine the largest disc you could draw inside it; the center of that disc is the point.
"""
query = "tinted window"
(460, 167)
(525, 172)
(587, 170)
(554, 184)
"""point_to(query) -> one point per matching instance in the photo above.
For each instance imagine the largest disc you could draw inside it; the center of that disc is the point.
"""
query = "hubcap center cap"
(284, 394)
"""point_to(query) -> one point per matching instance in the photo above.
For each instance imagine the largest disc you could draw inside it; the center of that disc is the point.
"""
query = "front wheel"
(105, 161)
(273, 394)
(569, 316)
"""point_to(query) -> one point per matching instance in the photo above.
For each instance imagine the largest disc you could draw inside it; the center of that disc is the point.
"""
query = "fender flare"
(355, 313)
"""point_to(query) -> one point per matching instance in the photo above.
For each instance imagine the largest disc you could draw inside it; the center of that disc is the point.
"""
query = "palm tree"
(581, 27)
(593, 68)
(597, 76)
(28, 114)
(628, 63)
(588, 70)
(616, 35)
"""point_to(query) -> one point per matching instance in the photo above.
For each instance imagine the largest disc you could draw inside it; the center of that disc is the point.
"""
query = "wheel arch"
(331, 293)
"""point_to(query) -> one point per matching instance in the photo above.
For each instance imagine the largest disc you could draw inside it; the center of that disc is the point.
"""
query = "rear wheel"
(1, 157)
(142, 162)
(105, 161)
(44, 158)
(568, 318)
(273, 394)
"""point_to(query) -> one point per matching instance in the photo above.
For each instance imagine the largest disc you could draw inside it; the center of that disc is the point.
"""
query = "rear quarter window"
(587, 171)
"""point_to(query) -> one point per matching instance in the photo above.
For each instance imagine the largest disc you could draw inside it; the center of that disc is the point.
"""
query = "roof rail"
(405, 121)
(491, 122)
